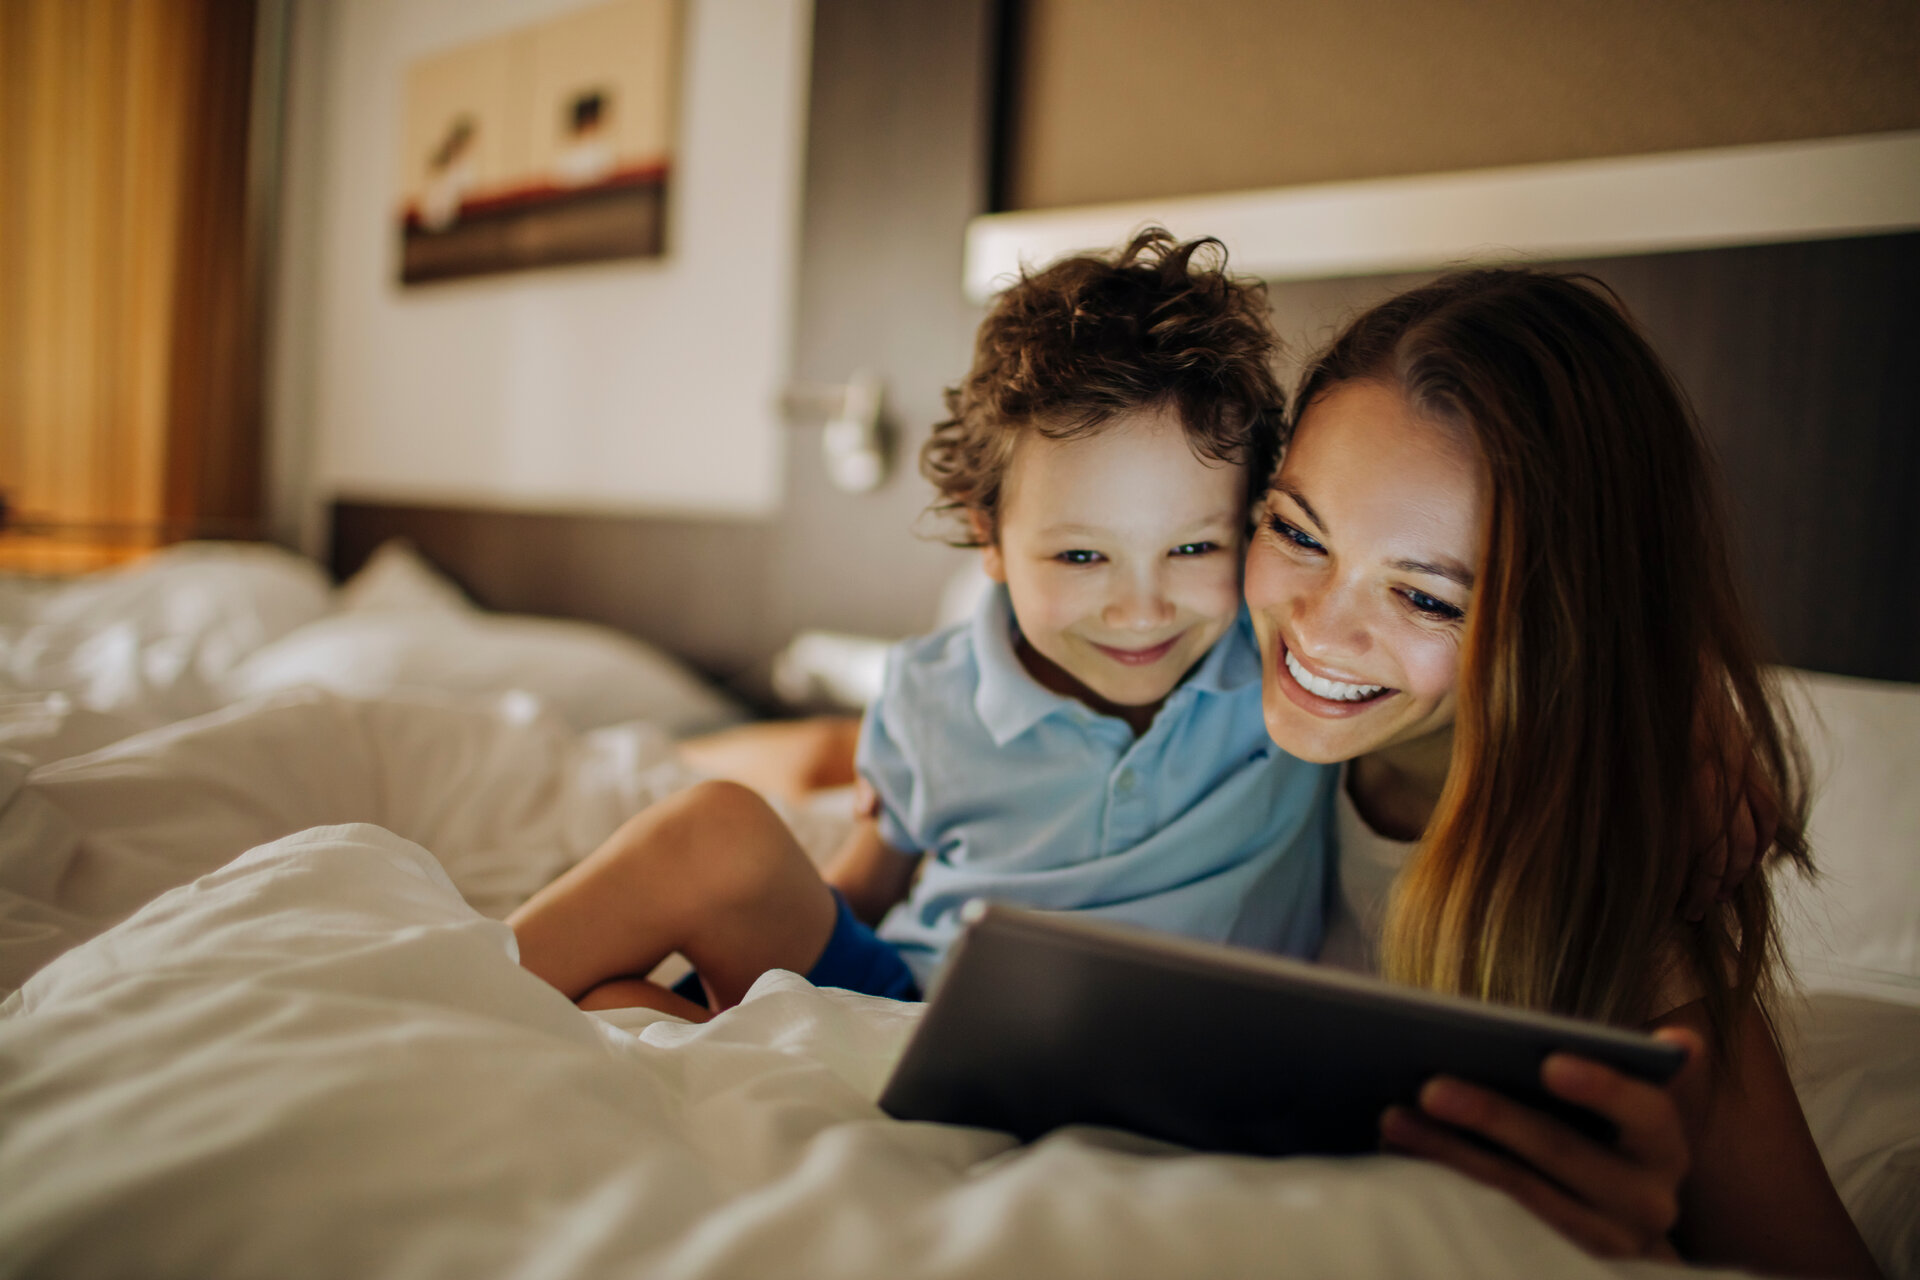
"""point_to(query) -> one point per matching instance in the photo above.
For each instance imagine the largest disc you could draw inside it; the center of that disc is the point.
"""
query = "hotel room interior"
(362, 462)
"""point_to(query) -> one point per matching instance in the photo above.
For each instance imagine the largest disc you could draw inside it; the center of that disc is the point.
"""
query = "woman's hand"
(1618, 1201)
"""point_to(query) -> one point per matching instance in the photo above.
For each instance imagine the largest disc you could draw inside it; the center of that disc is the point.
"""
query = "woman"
(1490, 575)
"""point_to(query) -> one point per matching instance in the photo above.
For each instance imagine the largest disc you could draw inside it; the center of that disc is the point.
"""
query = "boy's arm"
(870, 873)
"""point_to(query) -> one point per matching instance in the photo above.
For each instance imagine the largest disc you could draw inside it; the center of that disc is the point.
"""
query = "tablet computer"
(1044, 1019)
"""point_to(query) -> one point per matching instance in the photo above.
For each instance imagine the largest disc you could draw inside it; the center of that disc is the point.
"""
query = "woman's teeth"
(1330, 689)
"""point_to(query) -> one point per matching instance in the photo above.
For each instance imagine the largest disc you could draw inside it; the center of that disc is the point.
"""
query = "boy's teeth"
(1329, 688)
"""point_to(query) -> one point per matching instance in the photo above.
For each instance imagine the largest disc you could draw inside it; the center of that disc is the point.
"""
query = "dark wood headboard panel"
(693, 587)
(1803, 361)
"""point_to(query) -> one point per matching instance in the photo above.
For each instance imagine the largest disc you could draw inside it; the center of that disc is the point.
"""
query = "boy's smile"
(1121, 553)
(1137, 657)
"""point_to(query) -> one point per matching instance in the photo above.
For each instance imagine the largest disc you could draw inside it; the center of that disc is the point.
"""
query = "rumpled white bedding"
(320, 1058)
(199, 626)
(320, 1061)
(508, 794)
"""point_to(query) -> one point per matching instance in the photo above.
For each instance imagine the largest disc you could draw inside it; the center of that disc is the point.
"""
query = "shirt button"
(1126, 780)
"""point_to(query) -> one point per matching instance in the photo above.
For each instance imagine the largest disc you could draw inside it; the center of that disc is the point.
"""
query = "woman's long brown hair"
(1606, 656)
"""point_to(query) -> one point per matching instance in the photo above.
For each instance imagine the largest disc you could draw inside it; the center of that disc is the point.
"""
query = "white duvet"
(319, 1058)
(264, 1031)
(320, 1061)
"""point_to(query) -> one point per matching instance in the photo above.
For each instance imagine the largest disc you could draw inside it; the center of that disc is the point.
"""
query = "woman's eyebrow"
(1452, 570)
(1300, 501)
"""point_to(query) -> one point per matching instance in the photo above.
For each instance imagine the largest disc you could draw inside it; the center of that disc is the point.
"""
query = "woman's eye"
(1195, 548)
(1296, 536)
(1434, 607)
(1078, 557)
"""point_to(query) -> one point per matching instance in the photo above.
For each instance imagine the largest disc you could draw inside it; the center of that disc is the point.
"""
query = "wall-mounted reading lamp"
(854, 443)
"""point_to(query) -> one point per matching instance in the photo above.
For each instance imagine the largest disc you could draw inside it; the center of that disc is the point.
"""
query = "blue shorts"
(856, 959)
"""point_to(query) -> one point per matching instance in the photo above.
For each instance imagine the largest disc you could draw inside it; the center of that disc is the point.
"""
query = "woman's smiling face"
(1360, 578)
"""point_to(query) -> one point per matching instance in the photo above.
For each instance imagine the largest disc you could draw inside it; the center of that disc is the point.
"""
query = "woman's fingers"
(1404, 1130)
(1648, 1119)
(1639, 1194)
(1613, 1199)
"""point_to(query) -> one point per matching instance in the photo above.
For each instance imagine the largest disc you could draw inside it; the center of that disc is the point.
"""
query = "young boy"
(1092, 740)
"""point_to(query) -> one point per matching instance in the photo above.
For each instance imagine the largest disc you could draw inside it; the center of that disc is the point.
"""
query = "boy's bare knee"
(727, 839)
(686, 817)
(723, 810)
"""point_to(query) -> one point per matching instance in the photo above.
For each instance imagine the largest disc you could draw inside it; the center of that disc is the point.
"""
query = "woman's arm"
(1759, 1196)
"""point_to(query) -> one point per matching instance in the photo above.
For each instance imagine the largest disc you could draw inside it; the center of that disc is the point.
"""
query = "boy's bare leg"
(711, 873)
(640, 993)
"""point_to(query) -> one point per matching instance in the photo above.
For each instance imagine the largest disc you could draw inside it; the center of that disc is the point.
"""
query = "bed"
(256, 834)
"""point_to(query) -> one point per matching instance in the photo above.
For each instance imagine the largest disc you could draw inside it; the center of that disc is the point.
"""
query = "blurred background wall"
(908, 118)
(1134, 99)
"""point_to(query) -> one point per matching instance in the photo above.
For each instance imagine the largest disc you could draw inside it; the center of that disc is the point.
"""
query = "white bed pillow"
(588, 675)
(1857, 926)
(153, 642)
(1856, 1067)
(397, 576)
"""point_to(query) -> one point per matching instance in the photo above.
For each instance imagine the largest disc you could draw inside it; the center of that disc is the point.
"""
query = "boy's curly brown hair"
(1068, 348)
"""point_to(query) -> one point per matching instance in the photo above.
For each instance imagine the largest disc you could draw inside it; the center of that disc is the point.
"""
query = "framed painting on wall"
(545, 145)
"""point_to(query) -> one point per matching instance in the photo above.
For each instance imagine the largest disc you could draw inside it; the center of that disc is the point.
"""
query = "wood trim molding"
(1771, 193)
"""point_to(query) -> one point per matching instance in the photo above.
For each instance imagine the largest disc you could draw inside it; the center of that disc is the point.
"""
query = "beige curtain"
(129, 361)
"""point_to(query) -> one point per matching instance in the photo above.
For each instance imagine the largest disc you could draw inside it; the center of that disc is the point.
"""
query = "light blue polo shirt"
(1200, 826)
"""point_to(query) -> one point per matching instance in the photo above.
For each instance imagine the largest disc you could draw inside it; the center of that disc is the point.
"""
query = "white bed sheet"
(196, 1075)
(505, 792)
(320, 1061)
(154, 642)
(199, 626)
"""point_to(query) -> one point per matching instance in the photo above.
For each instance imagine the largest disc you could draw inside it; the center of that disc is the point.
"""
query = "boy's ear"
(990, 558)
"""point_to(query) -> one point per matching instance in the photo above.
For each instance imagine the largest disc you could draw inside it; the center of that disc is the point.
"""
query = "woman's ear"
(990, 557)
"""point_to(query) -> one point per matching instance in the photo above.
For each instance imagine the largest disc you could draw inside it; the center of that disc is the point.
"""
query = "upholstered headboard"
(1798, 357)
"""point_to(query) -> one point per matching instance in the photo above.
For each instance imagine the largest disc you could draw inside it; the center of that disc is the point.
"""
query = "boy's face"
(1121, 551)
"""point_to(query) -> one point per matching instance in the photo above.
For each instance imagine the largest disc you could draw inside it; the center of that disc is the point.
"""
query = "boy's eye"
(1194, 548)
(1434, 607)
(1078, 557)
(1298, 537)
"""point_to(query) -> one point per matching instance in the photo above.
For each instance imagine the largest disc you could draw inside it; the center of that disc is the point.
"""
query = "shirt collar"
(1233, 662)
(1009, 701)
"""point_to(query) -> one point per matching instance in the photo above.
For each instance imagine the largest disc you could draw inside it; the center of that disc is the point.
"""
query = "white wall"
(627, 386)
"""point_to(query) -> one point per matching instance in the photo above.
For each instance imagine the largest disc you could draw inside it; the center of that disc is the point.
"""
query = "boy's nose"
(1139, 606)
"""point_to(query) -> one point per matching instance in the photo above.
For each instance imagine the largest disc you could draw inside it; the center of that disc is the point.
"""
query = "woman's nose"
(1325, 625)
